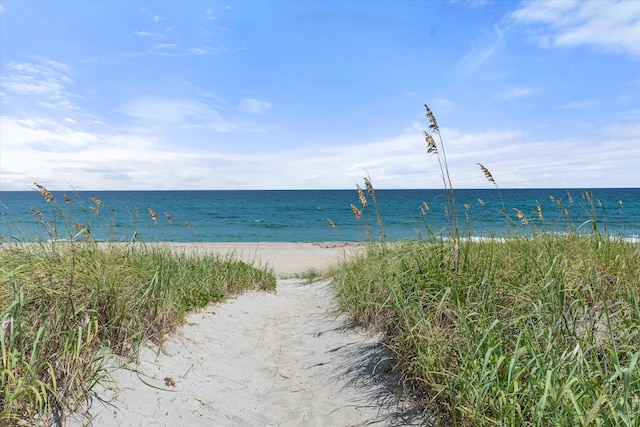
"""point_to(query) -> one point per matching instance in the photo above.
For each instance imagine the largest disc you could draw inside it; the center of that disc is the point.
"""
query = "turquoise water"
(301, 215)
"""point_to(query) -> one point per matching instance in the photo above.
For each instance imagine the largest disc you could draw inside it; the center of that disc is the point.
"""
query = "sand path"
(260, 359)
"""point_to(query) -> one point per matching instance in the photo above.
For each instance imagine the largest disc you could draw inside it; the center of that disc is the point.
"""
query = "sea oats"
(356, 212)
(94, 210)
(569, 197)
(97, 202)
(369, 186)
(135, 211)
(66, 198)
(424, 212)
(521, 216)
(539, 210)
(480, 201)
(45, 193)
(169, 218)
(154, 217)
(620, 203)
(331, 224)
(187, 224)
(466, 206)
(77, 226)
(426, 206)
(432, 119)
(487, 173)
(361, 196)
(36, 212)
(431, 143)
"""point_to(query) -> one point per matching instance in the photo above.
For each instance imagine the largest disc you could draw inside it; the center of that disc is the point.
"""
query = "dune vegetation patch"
(537, 329)
(66, 307)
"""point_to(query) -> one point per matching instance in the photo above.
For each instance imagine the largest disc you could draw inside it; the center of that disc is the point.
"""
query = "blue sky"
(316, 94)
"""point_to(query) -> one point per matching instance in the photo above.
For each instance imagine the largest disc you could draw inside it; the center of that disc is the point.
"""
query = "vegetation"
(67, 307)
(537, 330)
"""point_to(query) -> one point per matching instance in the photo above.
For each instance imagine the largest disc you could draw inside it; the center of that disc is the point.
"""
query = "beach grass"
(526, 331)
(533, 329)
(68, 308)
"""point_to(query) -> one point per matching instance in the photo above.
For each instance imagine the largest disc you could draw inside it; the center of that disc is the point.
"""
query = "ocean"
(308, 215)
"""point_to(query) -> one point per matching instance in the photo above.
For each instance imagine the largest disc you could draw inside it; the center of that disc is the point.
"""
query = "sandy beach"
(281, 358)
(286, 258)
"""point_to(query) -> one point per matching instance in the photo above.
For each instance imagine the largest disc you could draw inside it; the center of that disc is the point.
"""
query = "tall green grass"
(65, 307)
(522, 331)
(536, 331)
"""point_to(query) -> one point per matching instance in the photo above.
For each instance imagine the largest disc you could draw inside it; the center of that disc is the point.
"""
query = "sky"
(227, 95)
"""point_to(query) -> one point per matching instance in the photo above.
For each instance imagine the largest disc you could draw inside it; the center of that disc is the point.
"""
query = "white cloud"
(481, 52)
(120, 160)
(42, 134)
(577, 105)
(608, 25)
(156, 114)
(516, 92)
(196, 51)
(158, 18)
(254, 106)
(47, 82)
(34, 79)
(161, 49)
(473, 3)
(164, 46)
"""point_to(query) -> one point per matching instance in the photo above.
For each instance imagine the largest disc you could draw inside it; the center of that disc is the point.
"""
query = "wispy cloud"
(480, 52)
(171, 49)
(157, 18)
(158, 114)
(164, 46)
(46, 79)
(33, 79)
(43, 135)
(472, 3)
(254, 106)
(171, 112)
(516, 92)
(196, 51)
(577, 105)
(607, 25)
